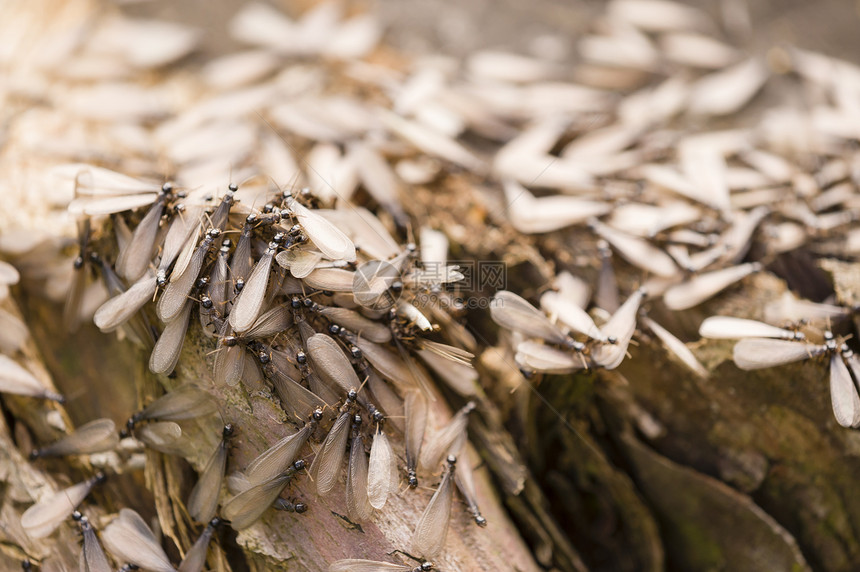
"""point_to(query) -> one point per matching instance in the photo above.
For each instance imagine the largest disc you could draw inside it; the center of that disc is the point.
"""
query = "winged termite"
(621, 326)
(217, 290)
(415, 410)
(203, 500)
(788, 308)
(247, 507)
(428, 540)
(514, 313)
(93, 557)
(101, 191)
(94, 437)
(326, 466)
(676, 346)
(452, 366)
(358, 505)
(165, 354)
(382, 473)
(358, 565)
(448, 439)
(377, 283)
(43, 518)
(219, 217)
(704, 286)
(278, 458)
(465, 480)
(137, 254)
(758, 353)
(195, 558)
(355, 322)
(17, 380)
(296, 400)
(637, 251)
(390, 365)
(129, 539)
(325, 236)
(249, 302)
(176, 293)
(727, 327)
(185, 224)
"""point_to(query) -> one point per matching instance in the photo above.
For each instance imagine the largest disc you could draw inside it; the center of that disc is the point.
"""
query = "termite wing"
(428, 540)
(358, 505)
(43, 518)
(358, 565)
(195, 558)
(382, 477)
(94, 437)
(17, 380)
(93, 557)
(129, 539)
(203, 500)
(248, 506)
(448, 439)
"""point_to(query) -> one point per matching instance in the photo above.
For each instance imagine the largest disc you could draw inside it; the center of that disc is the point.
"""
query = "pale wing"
(758, 353)
(357, 504)
(355, 322)
(415, 409)
(43, 518)
(185, 402)
(247, 507)
(137, 254)
(843, 393)
(93, 557)
(704, 286)
(332, 279)
(440, 442)
(428, 540)
(277, 458)
(728, 328)
(330, 362)
(325, 236)
(677, 347)
(357, 565)
(382, 473)
(533, 356)
(571, 315)
(15, 379)
(271, 323)
(514, 313)
(165, 354)
(203, 500)
(327, 464)
(621, 326)
(250, 301)
(130, 540)
(121, 308)
(94, 437)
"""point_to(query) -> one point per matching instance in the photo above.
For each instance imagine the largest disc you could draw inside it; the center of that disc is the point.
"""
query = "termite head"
(35, 454)
(206, 302)
(829, 341)
(356, 420)
(612, 340)
(264, 357)
(167, 188)
(317, 415)
(78, 263)
(452, 461)
(356, 352)
(229, 341)
(352, 395)
(100, 478)
(412, 478)
(279, 238)
(232, 187)
(161, 278)
(268, 208)
(299, 465)
(426, 566)
(215, 522)
(228, 430)
(296, 302)
(333, 329)
(300, 507)
(77, 516)
(301, 358)
(480, 520)
(308, 303)
(213, 233)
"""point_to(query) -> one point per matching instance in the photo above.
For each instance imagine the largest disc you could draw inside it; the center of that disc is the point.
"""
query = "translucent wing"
(203, 500)
(326, 466)
(277, 458)
(356, 565)
(331, 363)
(443, 440)
(729, 328)
(93, 557)
(325, 236)
(357, 504)
(704, 286)
(165, 354)
(43, 518)
(621, 326)
(247, 507)
(514, 313)
(677, 347)
(355, 322)
(195, 558)
(758, 353)
(428, 540)
(843, 393)
(119, 309)
(571, 315)
(533, 356)
(382, 473)
(185, 402)
(94, 437)
(416, 422)
(250, 301)
(17, 380)
(130, 539)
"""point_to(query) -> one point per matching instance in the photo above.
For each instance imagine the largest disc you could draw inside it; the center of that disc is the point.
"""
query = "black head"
(480, 520)
(77, 516)
(35, 454)
(101, 478)
(334, 329)
(299, 465)
(264, 357)
(308, 303)
(317, 415)
(213, 233)
(78, 263)
(452, 460)
(268, 208)
(426, 566)
(301, 357)
(206, 302)
(233, 187)
(296, 302)
(279, 238)
(300, 507)
(167, 188)
(228, 430)
(352, 395)
(356, 420)
(215, 522)
(412, 479)
(240, 283)
(356, 352)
